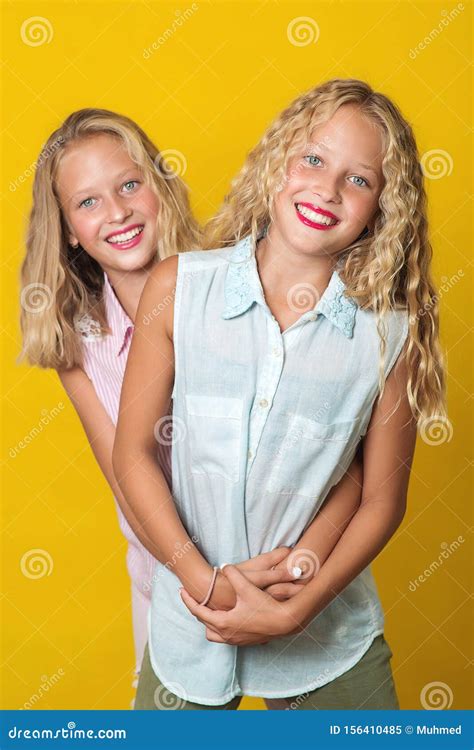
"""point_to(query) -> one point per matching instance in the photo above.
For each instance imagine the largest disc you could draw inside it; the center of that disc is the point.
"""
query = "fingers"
(284, 591)
(266, 560)
(264, 578)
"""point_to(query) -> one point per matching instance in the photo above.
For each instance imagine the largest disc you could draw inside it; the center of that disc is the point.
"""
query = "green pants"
(368, 685)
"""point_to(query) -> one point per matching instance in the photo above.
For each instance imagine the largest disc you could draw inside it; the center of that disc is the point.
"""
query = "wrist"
(223, 595)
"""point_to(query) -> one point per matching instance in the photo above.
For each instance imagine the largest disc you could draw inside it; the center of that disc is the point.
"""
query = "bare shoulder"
(164, 274)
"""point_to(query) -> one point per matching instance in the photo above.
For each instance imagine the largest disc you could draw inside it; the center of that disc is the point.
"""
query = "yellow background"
(209, 91)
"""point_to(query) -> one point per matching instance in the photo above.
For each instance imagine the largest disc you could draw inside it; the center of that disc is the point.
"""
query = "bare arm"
(145, 399)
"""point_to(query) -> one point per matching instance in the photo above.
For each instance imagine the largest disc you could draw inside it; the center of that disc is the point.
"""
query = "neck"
(281, 267)
(128, 287)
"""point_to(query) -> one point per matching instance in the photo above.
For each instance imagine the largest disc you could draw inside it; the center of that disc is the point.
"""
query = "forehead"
(349, 134)
(91, 160)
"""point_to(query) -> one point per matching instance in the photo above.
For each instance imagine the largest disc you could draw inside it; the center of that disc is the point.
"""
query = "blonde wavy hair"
(384, 269)
(60, 283)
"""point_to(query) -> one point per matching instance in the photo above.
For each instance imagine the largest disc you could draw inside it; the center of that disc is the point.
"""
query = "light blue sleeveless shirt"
(264, 425)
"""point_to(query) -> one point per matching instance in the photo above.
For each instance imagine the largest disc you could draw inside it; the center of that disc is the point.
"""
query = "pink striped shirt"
(105, 358)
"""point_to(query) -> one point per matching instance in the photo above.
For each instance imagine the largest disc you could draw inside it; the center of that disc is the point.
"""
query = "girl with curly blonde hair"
(305, 333)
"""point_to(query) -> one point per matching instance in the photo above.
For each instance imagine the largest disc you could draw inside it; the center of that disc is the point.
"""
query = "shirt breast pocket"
(311, 454)
(215, 427)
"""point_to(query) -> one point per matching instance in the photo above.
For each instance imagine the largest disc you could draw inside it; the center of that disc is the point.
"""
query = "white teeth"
(313, 216)
(125, 236)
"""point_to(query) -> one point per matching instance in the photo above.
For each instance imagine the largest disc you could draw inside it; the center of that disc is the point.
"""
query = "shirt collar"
(118, 320)
(243, 288)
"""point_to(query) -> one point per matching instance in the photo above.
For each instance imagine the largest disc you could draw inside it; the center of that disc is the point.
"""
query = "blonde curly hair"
(384, 269)
(61, 283)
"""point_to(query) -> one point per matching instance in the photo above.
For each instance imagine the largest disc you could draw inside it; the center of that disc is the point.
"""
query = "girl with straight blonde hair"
(106, 209)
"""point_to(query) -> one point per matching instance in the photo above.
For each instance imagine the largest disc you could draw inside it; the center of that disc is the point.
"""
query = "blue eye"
(364, 182)
(130, 182)
(310, 159)
(86, 203)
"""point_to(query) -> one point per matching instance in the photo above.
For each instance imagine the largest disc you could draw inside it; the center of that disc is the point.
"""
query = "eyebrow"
(91, 189)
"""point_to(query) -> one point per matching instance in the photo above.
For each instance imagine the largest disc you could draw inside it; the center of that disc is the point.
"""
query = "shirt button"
(250, 454)
(277, 351)
(312, 316)
(264, 403)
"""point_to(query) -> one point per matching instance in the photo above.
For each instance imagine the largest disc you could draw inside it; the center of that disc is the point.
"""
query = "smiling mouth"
(314, 218)
(122, 238)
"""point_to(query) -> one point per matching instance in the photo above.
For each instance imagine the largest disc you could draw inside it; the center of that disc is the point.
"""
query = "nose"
(326, 188)
(117, 210)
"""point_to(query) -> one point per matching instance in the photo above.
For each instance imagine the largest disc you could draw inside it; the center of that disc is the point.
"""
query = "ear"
(73, 241)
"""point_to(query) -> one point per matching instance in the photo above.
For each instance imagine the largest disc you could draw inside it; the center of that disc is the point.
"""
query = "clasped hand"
(250, 602)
